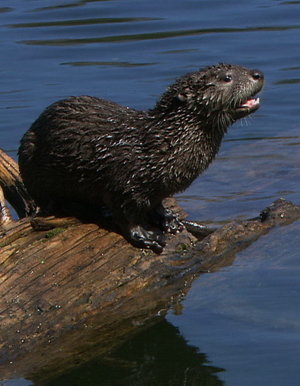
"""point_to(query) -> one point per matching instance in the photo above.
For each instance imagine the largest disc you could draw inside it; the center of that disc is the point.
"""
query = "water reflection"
(70, 5)
(3, 10)
(152, 35)
(158, 356)
(288, 81)
(63, 23)
(115, 64)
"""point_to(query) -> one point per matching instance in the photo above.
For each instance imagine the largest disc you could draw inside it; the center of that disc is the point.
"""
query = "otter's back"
(74, 148)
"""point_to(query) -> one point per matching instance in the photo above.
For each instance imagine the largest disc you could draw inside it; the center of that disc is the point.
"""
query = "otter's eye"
(227, 78)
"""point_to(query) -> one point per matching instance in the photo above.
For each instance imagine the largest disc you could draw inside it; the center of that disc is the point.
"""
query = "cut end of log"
(13, 188)
(280, 212)
(5, 215)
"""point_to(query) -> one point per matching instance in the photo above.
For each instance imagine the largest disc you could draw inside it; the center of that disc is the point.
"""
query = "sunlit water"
(245, 318)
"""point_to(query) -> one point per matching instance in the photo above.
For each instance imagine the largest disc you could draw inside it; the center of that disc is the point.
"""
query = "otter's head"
(219, 94)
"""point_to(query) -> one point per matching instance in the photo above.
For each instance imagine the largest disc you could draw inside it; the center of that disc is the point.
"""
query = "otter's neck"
(191, 141)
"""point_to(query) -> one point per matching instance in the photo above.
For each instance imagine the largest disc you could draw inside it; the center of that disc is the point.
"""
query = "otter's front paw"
(166, 220)
(171, 223)
(147, 238)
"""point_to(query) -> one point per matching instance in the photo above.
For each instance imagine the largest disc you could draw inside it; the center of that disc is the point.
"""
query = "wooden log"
(78, 291)
(13, 188)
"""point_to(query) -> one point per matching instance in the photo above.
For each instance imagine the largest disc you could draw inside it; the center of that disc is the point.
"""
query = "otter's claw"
(166, 220)
(171, 223)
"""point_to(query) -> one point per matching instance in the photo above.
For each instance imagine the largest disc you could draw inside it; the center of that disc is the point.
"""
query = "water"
(244, 319)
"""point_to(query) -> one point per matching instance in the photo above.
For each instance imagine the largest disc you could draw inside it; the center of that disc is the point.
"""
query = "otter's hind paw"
(147, 238)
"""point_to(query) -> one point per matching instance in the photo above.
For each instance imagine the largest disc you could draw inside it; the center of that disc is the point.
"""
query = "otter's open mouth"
(249, 105)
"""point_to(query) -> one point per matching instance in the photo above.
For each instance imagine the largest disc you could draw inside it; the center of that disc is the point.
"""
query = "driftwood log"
(72, 291)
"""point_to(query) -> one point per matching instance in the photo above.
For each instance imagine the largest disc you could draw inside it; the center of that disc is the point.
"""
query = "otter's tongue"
(250, 103)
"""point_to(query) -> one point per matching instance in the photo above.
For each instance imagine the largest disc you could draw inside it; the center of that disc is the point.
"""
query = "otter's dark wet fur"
(93, 152)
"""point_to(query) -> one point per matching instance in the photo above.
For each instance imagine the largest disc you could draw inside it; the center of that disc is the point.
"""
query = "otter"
(96, 153)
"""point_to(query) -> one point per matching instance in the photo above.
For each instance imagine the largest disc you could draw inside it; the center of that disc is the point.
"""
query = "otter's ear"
(185, 95)
(182, 97)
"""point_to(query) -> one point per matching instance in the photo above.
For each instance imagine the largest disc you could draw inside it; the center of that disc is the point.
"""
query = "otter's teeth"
(251, 102)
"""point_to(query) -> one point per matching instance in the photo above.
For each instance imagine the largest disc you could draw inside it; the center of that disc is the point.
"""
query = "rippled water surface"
(244, 319)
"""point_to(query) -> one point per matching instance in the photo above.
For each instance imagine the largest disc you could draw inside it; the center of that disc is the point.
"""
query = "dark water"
(240, 325)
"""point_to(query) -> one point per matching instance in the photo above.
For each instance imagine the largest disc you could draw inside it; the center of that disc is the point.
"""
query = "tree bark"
(77, 291)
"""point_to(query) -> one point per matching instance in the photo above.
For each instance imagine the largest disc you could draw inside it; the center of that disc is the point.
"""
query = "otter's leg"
(166, 220)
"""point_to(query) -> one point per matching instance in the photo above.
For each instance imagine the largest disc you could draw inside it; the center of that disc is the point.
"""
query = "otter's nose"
(257, 75)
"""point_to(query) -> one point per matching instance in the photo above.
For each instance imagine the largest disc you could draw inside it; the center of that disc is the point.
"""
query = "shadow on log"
(77, 291)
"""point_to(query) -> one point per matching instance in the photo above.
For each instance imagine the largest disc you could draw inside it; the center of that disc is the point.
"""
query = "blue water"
(245, 317)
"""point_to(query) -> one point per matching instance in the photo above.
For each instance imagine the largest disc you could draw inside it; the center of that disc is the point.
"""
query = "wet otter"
(95, 152)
